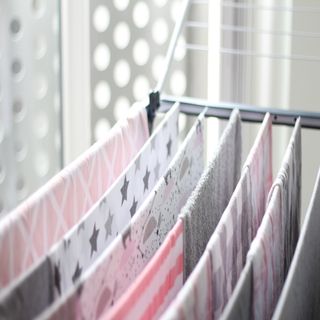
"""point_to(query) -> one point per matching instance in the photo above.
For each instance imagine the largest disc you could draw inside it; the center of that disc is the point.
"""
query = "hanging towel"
(147, 298)
(216, 273)
(85, 242)
(272, 249)
(104, 283)
(205, 207)
(300, 297)
(157, 285)
(28, 232)
(205, 200)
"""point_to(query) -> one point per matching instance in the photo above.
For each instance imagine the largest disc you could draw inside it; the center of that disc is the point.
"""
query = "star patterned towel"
(104, 283)
(162, 277)
(85, 242)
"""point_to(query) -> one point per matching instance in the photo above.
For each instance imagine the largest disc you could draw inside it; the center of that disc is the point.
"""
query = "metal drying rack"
(193, 106)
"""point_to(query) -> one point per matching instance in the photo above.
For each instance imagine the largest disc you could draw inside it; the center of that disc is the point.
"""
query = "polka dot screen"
(129, 40)
(128, 43)
(29, 98)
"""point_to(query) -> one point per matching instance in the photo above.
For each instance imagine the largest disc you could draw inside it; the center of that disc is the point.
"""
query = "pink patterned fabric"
(101, 286)
(272, 250)
(157, 285)
(28, 232)
(229, 244)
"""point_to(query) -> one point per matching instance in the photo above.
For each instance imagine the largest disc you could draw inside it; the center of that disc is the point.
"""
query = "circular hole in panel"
(121, 35)
(178, 83)
(19, 110)
(15, 26)
(122, 73)
(2, 173)
(41, 87)
(101, 128)
(141, 14)
(180, 51)
(160, 3)
(40, 47)
(102, 95)
(141, 88)
(21, 150)
(21, 188)
(101, 18)
(121, 107)
(160, 31)
(175, 9)
(17, 69)
(38, 6)
(41, 125)
(120, 4)
(101, 57)
(42, 164)
(157, 66)
(141, 52)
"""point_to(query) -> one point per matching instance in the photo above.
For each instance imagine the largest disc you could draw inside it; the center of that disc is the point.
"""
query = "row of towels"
(137, 228)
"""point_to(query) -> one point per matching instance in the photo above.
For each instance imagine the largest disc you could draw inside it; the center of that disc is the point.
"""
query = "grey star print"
(124, 190)
(137, 165)
(93, 239)
(133, 208)
(108, 225)
(146, 180)
(57, 278)
(156, 170)
(169, 147)
(77, 273)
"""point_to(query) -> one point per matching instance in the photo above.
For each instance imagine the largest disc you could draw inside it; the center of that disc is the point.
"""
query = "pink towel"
(28, 232)
(157, 285)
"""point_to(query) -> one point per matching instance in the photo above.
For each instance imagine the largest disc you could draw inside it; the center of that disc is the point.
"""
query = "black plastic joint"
(154, 104)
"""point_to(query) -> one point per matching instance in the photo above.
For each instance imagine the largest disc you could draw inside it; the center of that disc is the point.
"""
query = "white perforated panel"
(29, 97)
(129, 40)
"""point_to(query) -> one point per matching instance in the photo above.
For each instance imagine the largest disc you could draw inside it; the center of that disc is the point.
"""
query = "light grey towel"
(34, 292)
(300, 297)
(204, 208)
(239, 305)
(273, 247)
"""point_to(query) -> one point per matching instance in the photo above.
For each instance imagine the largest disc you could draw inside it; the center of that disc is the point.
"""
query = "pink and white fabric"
(28, 232)
(272, 250)
(229, 244)
(194, 301)
(116, 269)
(157, 285)
(85, 242)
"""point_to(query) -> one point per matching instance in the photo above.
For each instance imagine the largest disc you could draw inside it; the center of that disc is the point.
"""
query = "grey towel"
(239, 305)
(300, 297)
(34, 293)
(272, 249)
(204, 208)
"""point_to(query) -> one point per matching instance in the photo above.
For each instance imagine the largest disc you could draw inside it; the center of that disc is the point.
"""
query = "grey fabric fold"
(33, 293)
(204, 208)
(300, 297)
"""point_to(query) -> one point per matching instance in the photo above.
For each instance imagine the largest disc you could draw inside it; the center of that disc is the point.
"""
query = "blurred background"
(69, 69)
